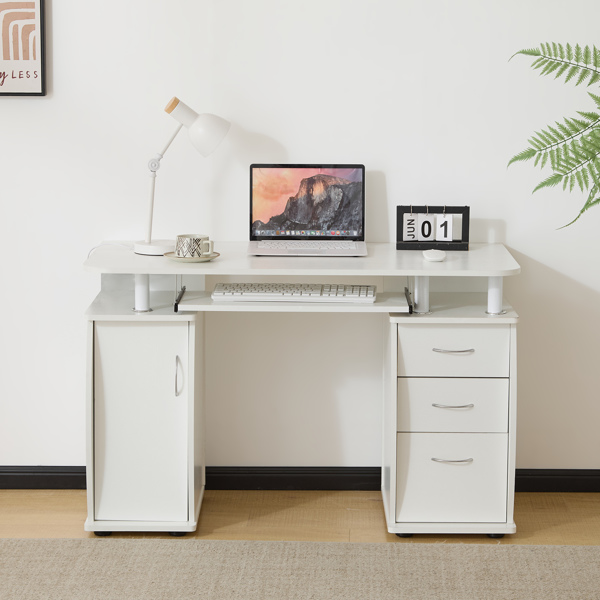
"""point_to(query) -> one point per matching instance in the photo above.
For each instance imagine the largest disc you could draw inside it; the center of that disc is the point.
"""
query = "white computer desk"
(449, 377)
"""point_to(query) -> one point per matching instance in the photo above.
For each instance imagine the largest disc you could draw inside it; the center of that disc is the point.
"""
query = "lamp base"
(154, 248)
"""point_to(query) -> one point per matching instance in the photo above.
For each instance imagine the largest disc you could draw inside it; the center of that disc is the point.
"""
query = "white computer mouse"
(434, 255)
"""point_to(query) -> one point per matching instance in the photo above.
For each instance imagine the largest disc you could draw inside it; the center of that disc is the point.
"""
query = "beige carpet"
(132, 569)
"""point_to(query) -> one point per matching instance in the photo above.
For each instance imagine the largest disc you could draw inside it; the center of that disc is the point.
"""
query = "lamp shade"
(206, 130)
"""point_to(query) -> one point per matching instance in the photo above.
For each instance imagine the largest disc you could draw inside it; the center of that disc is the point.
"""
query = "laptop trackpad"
(307, 251)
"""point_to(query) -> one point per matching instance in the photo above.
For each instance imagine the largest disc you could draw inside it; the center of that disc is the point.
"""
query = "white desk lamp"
(206, 132)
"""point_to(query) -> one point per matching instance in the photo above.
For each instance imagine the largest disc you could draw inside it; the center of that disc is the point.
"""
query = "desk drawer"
(453, 350)
(431, 491)
(452, 404)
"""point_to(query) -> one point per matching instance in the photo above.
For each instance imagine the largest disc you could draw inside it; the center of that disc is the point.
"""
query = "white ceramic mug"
(193, 245)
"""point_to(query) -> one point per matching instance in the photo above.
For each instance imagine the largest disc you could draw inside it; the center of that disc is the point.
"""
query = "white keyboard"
(293, 292)
(307, 244)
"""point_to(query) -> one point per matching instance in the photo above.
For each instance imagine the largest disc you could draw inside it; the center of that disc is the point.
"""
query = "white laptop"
(307, 210)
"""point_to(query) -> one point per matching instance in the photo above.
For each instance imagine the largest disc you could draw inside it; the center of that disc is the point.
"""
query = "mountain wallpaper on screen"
(322, 202)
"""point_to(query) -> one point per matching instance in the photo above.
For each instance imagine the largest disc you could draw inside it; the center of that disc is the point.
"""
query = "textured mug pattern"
(190, 247)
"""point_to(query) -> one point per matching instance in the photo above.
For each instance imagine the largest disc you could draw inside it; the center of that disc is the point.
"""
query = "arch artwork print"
(22, 48)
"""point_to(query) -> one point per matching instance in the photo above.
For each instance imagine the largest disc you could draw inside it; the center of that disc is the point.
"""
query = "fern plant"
(570, 148)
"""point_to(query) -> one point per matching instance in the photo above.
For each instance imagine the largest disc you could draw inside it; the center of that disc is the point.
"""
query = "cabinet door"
(140, 421)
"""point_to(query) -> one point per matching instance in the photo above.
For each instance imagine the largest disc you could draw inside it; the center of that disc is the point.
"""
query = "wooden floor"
(553, 518)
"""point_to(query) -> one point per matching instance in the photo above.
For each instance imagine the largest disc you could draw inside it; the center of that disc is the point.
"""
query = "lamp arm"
(154, 165)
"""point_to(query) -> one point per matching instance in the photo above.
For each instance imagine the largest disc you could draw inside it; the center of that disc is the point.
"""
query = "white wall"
(421, 91)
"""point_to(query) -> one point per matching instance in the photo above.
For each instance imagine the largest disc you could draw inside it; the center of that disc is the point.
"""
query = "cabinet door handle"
(468, 351)
(176, 374)
(443, 460)
(453, 405)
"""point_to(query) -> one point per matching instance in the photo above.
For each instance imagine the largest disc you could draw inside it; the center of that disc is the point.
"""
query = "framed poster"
(22, 53)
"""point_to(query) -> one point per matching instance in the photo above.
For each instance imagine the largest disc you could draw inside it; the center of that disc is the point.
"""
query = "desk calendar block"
(426, 227)
(437, 227)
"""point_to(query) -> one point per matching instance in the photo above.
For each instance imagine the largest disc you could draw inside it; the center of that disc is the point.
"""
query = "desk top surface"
(481, 260)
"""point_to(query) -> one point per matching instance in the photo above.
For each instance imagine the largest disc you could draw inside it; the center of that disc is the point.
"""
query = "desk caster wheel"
(177, 533)
(102, 533)
(404, 535)
(495, 536)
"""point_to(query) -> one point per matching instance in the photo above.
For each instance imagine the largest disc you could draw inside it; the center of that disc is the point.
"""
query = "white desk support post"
(421, 294)
(494, 299)
(142, 293)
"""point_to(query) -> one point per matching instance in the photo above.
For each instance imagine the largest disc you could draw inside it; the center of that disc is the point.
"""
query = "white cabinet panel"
(453, 350)
(140, 421)
(452, 404)
(472, 491)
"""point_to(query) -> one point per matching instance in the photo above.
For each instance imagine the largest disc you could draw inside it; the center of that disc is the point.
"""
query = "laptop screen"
(307, 202)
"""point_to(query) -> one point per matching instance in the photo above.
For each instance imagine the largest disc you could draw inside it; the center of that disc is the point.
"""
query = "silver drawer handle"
(453, 405)
(469, 351)
(176, 374)
(442, 460)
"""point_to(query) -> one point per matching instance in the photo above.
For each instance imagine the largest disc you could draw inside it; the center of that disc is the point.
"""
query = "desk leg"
(421, 294)
(494, 299)
(142, 293)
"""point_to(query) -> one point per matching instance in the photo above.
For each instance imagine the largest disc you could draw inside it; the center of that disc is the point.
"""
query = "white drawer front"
(451, 492)
(452, 404)
(453, 350)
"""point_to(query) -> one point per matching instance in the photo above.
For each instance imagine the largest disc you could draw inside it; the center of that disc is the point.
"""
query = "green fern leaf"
(595, 98)
(527, 52)
(594, 78)
(543, 137)
(591, 142)
(572, 72)
(569, 52)
(580, 124)
(551, 67)
(561, 51)
(545, 158)
(592, 117)
(574, 125)
(551, 181)
(596, 57)
(578, 53)
(587, 56)
(586, 178)
(592, 170)
(592, 200)
(557, 135)
(561, 70)
(538, 61)
(536, 143)
(575, 150)
(583, 76)
(554, 158)
(527, 154)
(564, 129)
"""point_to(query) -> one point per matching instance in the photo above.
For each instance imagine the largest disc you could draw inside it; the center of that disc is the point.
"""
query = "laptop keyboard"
(306, 244)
